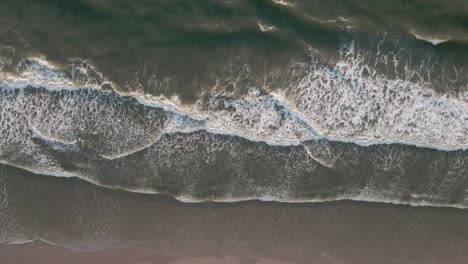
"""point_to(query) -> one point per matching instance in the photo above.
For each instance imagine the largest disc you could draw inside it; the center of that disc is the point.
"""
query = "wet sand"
(42, 253)
(84, 217)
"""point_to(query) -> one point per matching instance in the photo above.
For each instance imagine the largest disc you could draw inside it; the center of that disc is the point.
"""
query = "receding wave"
(338, 130)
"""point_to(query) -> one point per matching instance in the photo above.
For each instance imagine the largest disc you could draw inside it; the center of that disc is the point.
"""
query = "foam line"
(441, 122)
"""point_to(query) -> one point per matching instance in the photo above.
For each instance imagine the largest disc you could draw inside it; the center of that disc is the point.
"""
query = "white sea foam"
(265, 28)
(351, 101)
(432, 40)
(284, 3)
(257, 117)
(38, 72)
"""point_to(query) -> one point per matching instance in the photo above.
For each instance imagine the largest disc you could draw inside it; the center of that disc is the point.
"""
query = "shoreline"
(39, 252)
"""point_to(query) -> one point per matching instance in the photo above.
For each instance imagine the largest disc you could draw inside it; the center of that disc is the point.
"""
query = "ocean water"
(118, 118)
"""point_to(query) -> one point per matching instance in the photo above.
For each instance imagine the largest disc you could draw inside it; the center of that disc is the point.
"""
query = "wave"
(348, 101)
(200, 167)
(283, 3)
(432, 40)
(388, 193)
(352, 101)
(339, 130)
